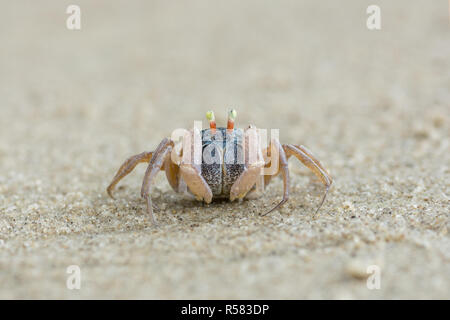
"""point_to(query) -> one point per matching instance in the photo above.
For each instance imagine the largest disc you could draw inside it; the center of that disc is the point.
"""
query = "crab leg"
(196, 183)
(244, 183)
(127, 167)
(285, 174)
(305, 156)
(254, 162)
(190, 169)
(159, 156)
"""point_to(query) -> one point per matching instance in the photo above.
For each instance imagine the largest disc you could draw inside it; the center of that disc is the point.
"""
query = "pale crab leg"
(196, 183)
(285, 174)
(254, 162)
(245, 182)
(127, 167)
(190, 166)
(305, 156)
(159, 156)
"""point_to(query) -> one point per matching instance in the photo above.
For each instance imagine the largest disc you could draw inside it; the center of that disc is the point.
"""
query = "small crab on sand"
(221, 163)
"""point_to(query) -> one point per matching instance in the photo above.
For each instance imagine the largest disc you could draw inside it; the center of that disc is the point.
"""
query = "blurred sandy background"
(372, 105)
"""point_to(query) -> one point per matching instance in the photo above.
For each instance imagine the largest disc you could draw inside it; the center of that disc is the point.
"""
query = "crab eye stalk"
(231, 116)
(211, 119)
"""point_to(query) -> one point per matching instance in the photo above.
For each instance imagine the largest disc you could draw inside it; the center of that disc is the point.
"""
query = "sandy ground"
(372, 105)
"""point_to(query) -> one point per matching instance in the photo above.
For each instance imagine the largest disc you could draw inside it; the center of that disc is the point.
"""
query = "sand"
(372, 105)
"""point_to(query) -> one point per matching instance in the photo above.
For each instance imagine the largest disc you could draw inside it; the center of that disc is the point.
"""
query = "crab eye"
(210, 115)
(211, 119)
(231, 116)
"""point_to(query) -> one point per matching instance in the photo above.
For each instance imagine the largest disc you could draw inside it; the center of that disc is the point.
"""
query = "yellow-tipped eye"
(210, 116)
(232, 114)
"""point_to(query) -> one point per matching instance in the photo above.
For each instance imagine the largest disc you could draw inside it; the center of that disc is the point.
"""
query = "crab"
(220, 163)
